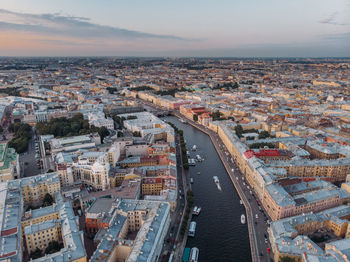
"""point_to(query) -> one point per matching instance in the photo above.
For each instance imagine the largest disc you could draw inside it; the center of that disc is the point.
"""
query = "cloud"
(72, 26)
(331, 20)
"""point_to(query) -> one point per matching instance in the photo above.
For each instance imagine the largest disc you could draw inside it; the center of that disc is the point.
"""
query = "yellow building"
(35, 188)
(40, 235)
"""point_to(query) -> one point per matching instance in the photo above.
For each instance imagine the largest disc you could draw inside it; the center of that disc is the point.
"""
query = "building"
(35, 188)
(98, 119)
(289, 237)
(9, 163)
(150, 127)
(11, 209)
(149, 219)
(55, 223)
(93, 173)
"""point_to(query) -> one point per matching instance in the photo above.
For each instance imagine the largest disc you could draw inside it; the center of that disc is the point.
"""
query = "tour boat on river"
(243, 219)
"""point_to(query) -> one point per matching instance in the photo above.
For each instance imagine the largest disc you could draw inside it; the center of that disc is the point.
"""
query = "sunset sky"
(175, 28)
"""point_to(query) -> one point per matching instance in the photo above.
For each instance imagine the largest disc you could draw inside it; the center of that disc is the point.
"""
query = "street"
(28, 161)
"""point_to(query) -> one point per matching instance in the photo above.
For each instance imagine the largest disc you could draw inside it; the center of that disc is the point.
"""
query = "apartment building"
(35, 188)
(148, 218)
(289, 237)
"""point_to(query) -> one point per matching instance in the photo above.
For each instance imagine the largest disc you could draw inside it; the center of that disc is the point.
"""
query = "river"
(220, 236)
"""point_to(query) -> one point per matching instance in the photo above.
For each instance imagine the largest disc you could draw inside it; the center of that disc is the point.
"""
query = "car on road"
(268, 250)
(265, 240)
(256, 216)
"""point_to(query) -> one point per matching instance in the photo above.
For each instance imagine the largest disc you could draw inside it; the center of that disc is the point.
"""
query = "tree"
(48, 200)
(264, 134)
(103, 132)
(195, 117)
(35, 254)
(239, 130)
(53, 247)
(287, 259)
(120, 134)
(136, 134)
(21, 137)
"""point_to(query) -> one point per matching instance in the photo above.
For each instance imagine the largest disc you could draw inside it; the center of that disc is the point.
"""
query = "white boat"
(240, 201)
(194, 210)
(243, 219)
(198, 211)
(192, 229)
(183, 121)
(199, 158)
(188, 153)
(191, 162)
(198, 173)
(217, 182)
(194, 148)
(194, 254)
(191, 180)
(216, 179)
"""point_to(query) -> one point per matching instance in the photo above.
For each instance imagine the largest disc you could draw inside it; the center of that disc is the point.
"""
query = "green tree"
(53, 247)
(48, 200)
(239, 130)
(35, 254)
(136, 134)
(287, 259)
(21, 137)
(195, 117)
(264, 134)
(103, 132)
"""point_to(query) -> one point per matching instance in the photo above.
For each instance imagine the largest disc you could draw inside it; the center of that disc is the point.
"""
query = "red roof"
(261, 153)
(249, 154)
(267, 152)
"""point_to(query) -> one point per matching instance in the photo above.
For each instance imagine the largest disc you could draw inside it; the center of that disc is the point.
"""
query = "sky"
(223, 28)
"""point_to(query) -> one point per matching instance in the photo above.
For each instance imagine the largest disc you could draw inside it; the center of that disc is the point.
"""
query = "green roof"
(7, 155)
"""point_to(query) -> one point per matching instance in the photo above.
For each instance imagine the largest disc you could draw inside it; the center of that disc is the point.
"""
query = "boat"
(217, 182)
(194, 148)
(199, 158)
(186, 255)
(191, 180)
(198, 173)
(191, 162)
(240, 201)
(194, 210)
(194, 254)
(192, 229)
(243, 219)
(198, 211)
(188, 153)
(183, 121)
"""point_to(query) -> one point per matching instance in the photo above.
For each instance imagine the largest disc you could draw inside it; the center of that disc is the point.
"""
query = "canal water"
(220, 236)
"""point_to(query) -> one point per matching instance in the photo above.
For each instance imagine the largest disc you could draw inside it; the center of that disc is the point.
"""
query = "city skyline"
(156, 28)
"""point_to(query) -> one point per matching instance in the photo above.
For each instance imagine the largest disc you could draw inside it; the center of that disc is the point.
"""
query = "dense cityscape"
(165, 159)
